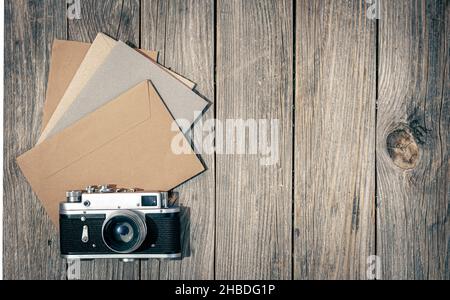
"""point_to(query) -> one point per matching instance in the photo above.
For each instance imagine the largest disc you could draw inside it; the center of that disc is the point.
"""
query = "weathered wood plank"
(255, 81)
(334, 149)
(120, 20)
(413, 139)
(153, 26)
(31, 248)
(116, 18)
(334, 140)
(183, 32)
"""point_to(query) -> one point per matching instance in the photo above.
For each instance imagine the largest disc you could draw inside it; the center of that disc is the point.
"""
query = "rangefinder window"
(148, 201)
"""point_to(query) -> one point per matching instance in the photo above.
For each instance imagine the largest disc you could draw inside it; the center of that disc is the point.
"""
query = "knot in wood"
(403, 149)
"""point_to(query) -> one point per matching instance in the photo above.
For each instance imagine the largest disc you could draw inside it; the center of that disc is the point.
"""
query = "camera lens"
(124, 232)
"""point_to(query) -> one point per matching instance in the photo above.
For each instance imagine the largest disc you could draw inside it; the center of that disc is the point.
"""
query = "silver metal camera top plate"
(91, 203)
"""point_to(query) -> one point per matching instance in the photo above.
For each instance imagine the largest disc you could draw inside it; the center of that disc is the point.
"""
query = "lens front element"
(124, 232)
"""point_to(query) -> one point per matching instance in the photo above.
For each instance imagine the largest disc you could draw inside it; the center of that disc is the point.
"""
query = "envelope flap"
(100, 127)
(105, 42)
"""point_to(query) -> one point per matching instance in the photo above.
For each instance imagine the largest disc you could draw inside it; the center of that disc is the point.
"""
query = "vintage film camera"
(109, 223)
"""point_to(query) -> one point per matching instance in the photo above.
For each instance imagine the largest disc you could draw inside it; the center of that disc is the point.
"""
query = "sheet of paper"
(72, 65)
(123, 69)
(127, 142)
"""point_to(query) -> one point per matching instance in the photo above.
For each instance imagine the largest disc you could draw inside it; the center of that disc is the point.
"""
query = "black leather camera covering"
(163, 235)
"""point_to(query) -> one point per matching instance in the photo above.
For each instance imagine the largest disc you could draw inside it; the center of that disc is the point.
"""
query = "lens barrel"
(124, 231)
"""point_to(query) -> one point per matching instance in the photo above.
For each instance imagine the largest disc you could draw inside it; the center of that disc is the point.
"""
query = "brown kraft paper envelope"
(127, 142)
(67, 59)
(121, 70)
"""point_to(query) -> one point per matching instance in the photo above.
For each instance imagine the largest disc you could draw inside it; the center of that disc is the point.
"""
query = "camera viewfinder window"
(149, 201)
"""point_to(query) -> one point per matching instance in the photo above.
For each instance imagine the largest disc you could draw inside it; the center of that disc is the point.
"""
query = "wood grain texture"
(116, 18)
(255, 81)
(413, 196)
(31, 248)
(334, 140)
(313, 214)
(183, 32)
(153, 26)
(120, 20)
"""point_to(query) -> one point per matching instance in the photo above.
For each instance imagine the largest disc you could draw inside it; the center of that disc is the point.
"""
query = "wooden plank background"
(183, 32)
(413, 140)
(363, 113)
(254, 81)
(335, 140)
(31, 248)
(118, 19)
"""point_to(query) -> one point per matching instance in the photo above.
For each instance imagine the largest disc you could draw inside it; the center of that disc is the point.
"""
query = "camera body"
(124, 224)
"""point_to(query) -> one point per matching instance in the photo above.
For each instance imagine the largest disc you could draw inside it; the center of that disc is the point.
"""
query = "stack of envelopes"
(109, 117)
